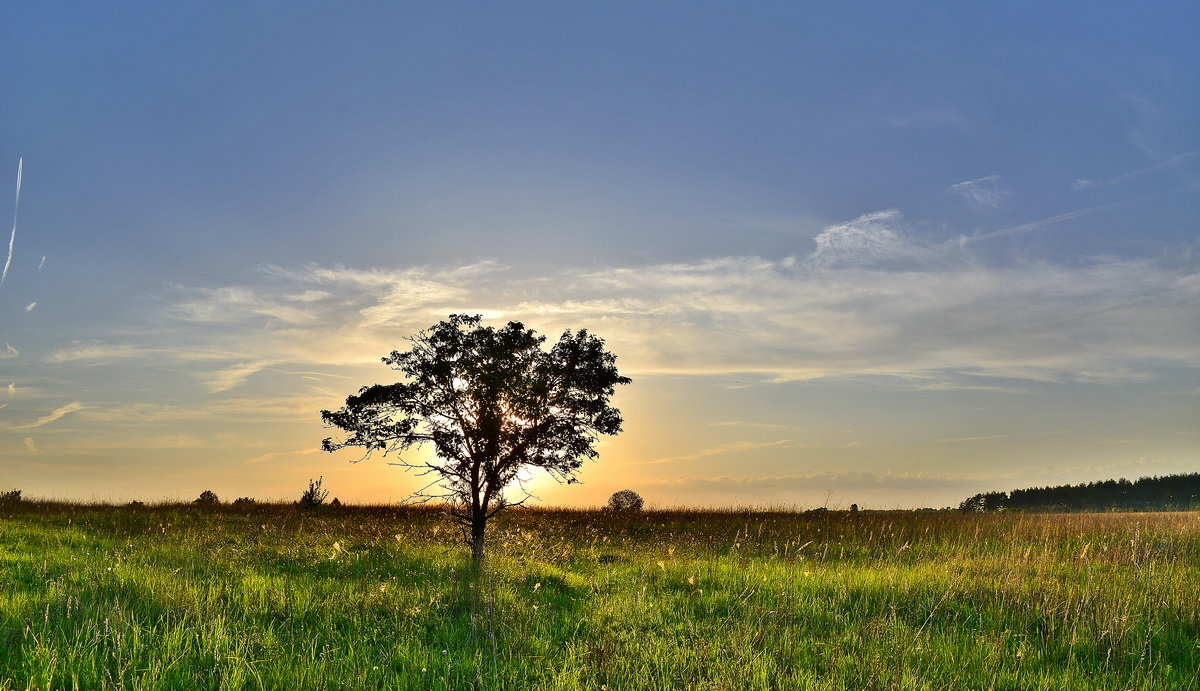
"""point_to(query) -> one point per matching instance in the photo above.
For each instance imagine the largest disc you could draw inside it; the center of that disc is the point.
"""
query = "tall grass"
(269, 596)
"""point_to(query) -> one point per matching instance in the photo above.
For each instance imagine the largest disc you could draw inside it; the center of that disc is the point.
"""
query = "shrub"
(11, 497)
(335, 502)
(243, 501)
(626, 500)
(207, 497)
(314, 495)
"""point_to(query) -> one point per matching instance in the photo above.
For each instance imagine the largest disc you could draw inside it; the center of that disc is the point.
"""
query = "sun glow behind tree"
(494, 405)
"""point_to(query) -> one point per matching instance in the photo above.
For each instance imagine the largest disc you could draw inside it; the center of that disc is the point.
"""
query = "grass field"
(370, 597)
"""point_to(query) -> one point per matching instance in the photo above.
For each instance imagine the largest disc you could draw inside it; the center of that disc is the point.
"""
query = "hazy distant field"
(271, 597)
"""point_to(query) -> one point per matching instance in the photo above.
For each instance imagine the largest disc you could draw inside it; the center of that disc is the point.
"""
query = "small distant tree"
(626, 500)
(853, 508)
(207, 497)
(244, 501)
(314, 495)
(335, 502)
(12, 496)
(493, 403)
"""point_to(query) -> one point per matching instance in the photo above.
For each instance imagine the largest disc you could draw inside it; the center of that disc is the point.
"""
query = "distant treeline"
(1166, 493)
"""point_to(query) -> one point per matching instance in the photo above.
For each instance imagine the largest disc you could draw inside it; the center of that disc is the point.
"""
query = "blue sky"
(850, 253)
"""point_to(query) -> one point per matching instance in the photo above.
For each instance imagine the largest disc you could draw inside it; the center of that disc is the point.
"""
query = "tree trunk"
(478, 528)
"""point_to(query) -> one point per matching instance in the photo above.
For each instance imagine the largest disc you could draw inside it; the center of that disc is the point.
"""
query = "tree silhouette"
(314, 495)
(626, 500)
(1155, 493)
(493, 403)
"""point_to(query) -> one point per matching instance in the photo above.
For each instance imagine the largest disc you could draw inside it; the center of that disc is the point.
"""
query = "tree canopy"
(493, 403)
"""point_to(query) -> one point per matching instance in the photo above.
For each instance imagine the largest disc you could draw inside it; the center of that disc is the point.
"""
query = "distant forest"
(1166, 493)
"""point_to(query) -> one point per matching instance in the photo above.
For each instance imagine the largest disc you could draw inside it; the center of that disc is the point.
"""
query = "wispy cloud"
(1173, 161)
(872, 299)
(102, 353)
(985, 437)
(1042, 223)
(11, 351)
(230, 377)
(56, 414)
(732, 447)
(261, 408)
(31, 445)
(868, 239)
(981, 193)
(306, 451)
(744, 423)
(97, 353)
(12, 240)
(97, 444)
(31, 306)
(141, 413)
(239, 303)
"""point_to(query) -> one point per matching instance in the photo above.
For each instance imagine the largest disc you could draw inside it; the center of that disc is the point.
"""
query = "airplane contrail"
(13, 238)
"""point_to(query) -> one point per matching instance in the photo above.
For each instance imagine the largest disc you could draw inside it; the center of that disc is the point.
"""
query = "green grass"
(371, 597)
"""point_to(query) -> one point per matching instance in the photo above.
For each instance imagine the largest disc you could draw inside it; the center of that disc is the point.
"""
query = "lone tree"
(314, 495)
(493, 403)
(626, 500)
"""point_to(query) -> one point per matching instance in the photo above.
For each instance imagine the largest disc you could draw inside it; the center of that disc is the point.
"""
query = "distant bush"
(207, 497)
(11, 497)
(626, 500)
(135, 504)
(314, 495)
(243, 501)
(335, 502)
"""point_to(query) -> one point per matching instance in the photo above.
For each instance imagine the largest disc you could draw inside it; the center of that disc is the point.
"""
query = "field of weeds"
(270, 596)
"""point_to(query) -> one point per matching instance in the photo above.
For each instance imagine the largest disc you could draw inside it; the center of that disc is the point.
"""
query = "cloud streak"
(232, 377)
(12, 239)
(307, 451)
(732, 447)
(1177, 159)
(1039, 224)
(56, 414)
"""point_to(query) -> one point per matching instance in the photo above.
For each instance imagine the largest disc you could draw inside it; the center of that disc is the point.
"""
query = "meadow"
(272, 596)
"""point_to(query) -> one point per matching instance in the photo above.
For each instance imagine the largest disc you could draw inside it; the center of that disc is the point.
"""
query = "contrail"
(13, 238)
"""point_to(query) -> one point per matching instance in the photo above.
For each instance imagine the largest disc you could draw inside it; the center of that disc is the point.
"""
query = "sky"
(885, 254)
